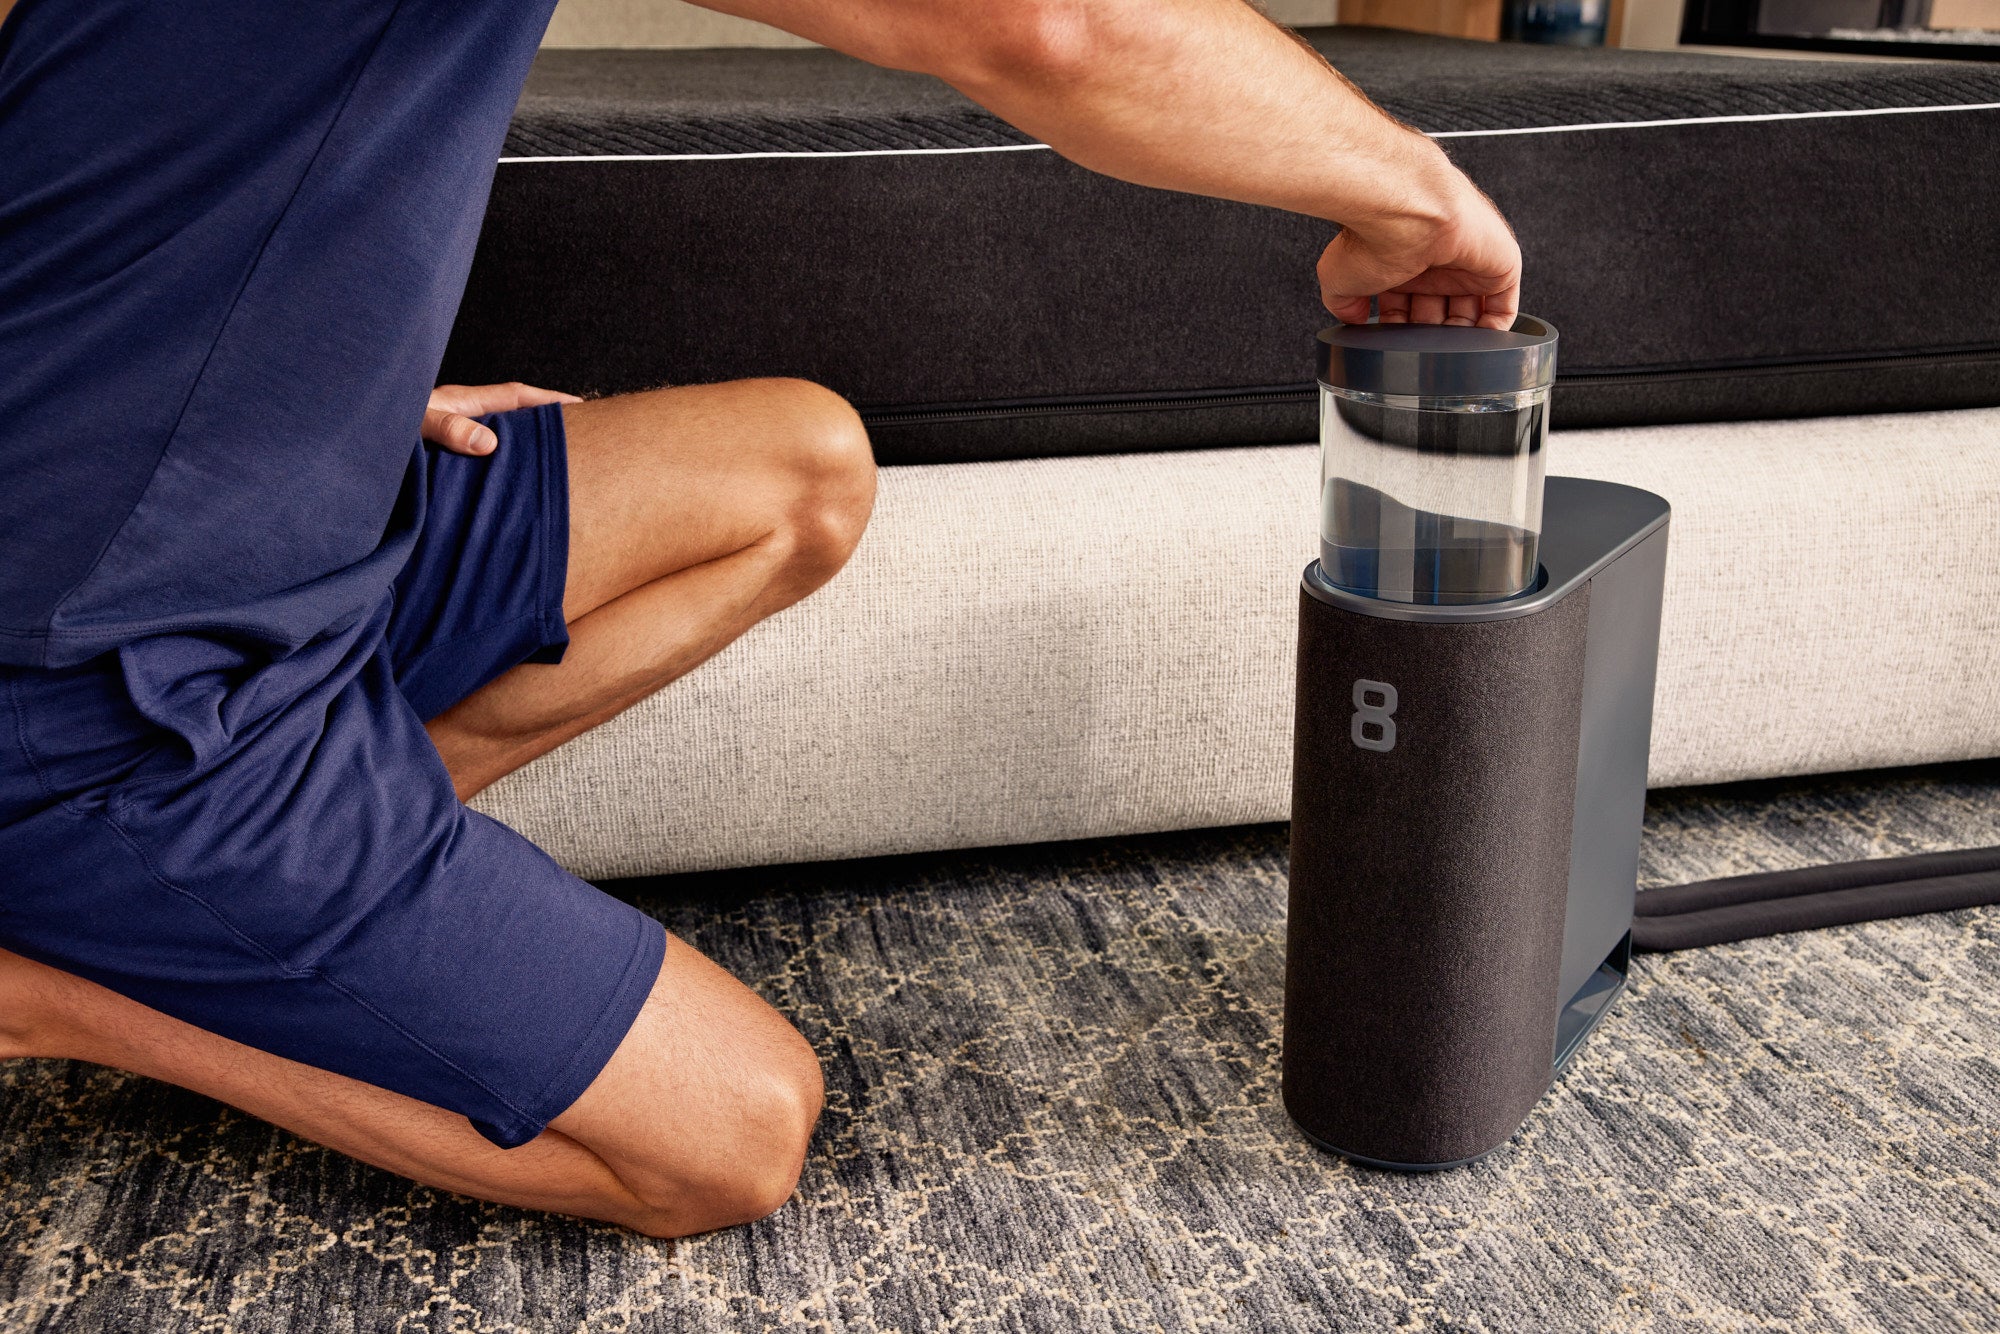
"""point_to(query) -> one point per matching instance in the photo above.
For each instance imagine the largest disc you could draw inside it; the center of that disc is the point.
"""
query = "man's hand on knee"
(448, 420)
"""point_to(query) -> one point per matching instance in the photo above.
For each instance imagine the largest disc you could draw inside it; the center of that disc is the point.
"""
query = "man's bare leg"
(694, 513)
(717, 1097)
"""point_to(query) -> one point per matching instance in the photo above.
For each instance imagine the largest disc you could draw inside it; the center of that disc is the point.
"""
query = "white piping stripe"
(1719, 120)
(1436, 134)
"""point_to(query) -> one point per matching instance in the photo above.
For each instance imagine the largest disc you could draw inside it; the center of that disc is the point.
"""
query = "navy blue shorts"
(268, 846)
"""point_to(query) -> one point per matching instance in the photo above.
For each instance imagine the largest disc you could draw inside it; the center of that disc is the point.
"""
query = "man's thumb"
(460, 435)
(1349, 280)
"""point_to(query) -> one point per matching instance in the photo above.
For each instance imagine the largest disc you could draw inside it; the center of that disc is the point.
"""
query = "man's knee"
(770, 1159)
(750, 1162)
(831, 471)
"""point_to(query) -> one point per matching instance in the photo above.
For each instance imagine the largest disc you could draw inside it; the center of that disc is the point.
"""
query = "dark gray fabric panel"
(1769, 903)
(897, 281)
(1697, 272)
(1740, 246)
(1429, 882)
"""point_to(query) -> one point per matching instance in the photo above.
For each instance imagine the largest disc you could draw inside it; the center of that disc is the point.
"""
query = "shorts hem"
(614, 1021)
(554, 628)
(436, 671)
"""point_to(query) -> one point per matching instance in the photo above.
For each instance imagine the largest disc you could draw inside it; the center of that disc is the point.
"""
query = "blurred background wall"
(672, 23)
(1647, 23)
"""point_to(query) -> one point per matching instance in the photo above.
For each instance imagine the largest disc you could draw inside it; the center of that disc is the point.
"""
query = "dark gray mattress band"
(1742, 907)
(1746, 239)
(736, 99)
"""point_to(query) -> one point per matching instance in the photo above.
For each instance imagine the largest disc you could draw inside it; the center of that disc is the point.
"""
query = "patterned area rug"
(1054, 1106)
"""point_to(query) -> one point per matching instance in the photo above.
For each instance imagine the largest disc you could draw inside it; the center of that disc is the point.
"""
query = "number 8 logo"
(1374, 715)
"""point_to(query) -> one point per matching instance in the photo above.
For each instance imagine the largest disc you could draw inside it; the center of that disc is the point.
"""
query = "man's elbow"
(1026, 43)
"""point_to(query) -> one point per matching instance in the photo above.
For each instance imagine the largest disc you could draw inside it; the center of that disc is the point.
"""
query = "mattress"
(1716, 237)
(995, 666)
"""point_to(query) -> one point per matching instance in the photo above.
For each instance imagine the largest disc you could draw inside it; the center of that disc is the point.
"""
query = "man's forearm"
(1209, 97)
(1205, 96)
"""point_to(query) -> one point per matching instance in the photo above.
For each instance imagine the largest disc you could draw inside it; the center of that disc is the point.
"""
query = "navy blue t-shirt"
(233, 236)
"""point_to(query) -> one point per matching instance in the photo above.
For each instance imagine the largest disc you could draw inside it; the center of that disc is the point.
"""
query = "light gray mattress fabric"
(1071, 648)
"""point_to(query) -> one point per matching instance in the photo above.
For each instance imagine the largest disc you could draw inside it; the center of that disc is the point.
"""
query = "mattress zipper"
(1823, 365)
(1304, 394)
(930, 414)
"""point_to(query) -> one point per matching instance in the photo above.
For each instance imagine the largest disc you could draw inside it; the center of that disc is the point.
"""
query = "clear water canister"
(1431, 465)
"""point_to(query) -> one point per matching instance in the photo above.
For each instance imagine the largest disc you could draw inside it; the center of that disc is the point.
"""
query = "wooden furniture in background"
(1453, 18)
(1965, 14)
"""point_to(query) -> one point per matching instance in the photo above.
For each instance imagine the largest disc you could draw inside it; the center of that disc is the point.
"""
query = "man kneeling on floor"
(266, 622)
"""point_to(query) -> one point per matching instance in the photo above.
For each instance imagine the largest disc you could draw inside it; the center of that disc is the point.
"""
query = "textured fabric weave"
(1067, 648)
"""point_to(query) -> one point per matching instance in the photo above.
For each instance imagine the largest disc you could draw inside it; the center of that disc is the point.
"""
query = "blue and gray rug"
(1053, 1106)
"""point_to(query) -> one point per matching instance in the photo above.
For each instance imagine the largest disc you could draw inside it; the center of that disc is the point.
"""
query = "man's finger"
(476, 400)
(1394, 307)
(1501, 308)
(1353, 310)
(460, 435)
(1463, 310)
(1350, 278)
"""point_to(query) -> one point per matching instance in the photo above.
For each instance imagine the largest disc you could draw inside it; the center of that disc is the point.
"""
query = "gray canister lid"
(1438, 360)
